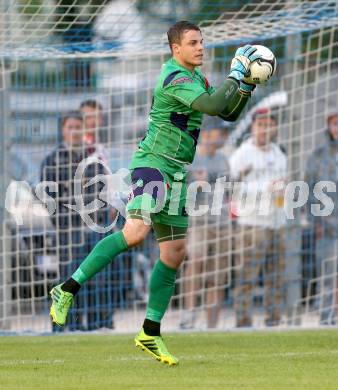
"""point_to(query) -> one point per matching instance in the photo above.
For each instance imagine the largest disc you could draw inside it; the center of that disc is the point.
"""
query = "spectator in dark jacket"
(93, 308)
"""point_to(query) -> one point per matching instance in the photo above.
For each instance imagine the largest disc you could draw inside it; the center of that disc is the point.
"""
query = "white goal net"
(98, 61)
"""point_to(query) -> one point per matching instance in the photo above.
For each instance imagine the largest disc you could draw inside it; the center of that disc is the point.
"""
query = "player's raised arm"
(231, 97)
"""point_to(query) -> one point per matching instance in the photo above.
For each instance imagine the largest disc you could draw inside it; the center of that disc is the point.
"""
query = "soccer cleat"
(156, 347)
(61, 302)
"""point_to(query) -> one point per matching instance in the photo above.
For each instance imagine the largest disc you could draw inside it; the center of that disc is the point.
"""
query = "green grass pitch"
(237, 360)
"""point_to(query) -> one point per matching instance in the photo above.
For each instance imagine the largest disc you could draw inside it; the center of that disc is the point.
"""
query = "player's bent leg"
(103, 253)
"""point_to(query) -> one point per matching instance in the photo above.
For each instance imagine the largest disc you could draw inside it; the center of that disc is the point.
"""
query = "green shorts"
(160, 196)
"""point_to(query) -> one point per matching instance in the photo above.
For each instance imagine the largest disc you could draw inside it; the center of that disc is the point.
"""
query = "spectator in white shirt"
(260, 167)
(209, 239)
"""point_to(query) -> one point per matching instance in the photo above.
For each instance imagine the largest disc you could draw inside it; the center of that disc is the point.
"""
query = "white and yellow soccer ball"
(263, 68)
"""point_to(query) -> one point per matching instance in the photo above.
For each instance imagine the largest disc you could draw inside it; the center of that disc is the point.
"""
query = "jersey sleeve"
(184, 89)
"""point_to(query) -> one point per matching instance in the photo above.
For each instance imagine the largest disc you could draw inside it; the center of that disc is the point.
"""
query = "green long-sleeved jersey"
(174, 125)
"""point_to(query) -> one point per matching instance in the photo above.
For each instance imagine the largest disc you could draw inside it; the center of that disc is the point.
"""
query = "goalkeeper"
(181, 96)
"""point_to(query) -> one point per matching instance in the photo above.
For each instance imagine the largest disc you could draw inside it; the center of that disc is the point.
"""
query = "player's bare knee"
(135, 232)
(135, 237)
(173, 252)
(181, 252)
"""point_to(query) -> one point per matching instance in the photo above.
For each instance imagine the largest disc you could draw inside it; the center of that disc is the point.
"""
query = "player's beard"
(195, 62)
(199, 61)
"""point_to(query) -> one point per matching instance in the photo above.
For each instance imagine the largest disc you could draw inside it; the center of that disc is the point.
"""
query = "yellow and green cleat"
(155, 346)
(61, 302)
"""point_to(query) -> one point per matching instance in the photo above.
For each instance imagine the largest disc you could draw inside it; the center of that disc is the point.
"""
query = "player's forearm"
(222, 102)
(235, 106)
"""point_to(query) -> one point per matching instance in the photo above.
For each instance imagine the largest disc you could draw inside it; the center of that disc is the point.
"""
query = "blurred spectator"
(93, 118)
(261, 167)
(74, 240)
(323, 166)
(209, 239)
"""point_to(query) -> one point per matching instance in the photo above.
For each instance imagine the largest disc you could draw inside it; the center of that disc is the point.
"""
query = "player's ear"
(175, 48)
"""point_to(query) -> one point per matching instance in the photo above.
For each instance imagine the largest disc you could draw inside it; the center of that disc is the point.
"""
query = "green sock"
(161, 288)
(101, 255)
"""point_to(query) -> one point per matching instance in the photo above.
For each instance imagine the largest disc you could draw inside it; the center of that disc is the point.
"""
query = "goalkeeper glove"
(240, 63)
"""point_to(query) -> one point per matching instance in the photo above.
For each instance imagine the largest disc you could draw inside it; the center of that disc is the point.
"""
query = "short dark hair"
(264, 113)
(92, 104)
(71, 115)
(176, 31)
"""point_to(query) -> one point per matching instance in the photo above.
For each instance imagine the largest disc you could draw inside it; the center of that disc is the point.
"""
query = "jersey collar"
(182, 67)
